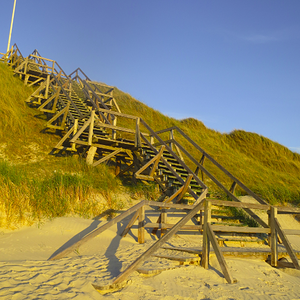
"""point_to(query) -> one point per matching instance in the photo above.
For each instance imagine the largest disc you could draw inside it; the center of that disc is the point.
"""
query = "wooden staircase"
(88, 118)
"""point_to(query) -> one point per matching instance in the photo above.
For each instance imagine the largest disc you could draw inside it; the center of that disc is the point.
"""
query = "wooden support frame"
(73, 130)
(273, 238)
(103, 159)
(97, 231)
(64, 113)
(122, 277)
(287, 244)
(206, 245)
(141, 227)
(55, 97)
(155, 160)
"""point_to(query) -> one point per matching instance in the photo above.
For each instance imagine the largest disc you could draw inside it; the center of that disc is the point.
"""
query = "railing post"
(91, 129)
(205, 245)
(141, 226)
(137, 134)
(163, 220)
(171, 137)
(151, 139)
(273, 242)
(114, 132)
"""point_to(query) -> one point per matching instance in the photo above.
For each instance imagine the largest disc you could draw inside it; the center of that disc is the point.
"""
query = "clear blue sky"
(231, 64)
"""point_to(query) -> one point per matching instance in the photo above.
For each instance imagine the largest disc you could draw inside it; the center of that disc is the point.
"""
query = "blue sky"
(231, 64)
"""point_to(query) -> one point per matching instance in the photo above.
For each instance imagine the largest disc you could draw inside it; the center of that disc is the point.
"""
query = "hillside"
(36, 184)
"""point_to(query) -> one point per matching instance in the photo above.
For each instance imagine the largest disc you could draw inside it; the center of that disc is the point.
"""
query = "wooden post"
(141, 226)
(163, 220)
(91, 129)
(137, 134)
(171, 137)
(47, 86)
(273, 241)
(151, 139)
(74, 132)
(205, 246)
(114, 132)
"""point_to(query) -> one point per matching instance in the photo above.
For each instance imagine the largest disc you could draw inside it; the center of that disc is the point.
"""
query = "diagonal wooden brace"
(154, 160)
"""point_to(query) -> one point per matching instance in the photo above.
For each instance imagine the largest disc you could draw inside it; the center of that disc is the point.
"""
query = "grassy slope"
(266, 167)
(38, 185)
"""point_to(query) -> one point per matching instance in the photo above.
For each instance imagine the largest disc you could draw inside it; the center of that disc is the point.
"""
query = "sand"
(25, 272)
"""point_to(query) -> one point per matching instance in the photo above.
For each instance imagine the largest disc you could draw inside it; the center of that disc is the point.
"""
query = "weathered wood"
(220, 185)
(273, 242)
(81, 130)
(224, 228)
(154, 160)
(291, 231)
(121, 277)
(107, 157)
(161, 225)
(170, 168)
(185, 187)
(158, 156)
(141, 226)
(91, 128)
(219, 255)
(130, 224)
(63, 112)
(239, 204)
(287, 244)
(164, 220)
(171, 205)
(97, 231)
(206, 244)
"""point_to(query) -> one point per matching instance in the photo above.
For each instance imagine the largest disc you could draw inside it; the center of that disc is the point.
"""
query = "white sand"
(25, 272)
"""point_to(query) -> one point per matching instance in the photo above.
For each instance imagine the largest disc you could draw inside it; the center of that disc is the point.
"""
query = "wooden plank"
(169, 226)
(118, 114)
(158, 156)
(97, 231)
(63, 112)
(219, 255)
(155, 159)
(91, 128)
(121, 277)
(287, 244)
(206, 244)
(65, 137)
(80, 131)
(107, 157)
(224, 228)
(291, 231)
(239, 204)
(171, 205)
(185, 187)
(141, 226)
(273, 243)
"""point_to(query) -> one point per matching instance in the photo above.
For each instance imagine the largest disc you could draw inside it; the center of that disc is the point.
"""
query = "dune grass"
(36, 185)
(266, 167)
